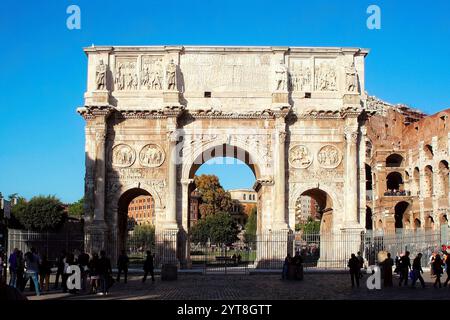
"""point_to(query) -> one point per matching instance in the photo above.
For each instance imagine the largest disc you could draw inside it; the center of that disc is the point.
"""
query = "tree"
(40, 213)
(251, 226)
(214, 198)
(144, 235)
(311, 226)
(218, 229)
(76, 209)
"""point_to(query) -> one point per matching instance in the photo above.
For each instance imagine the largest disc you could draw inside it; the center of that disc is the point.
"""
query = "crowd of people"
(404, 269)
(96, 271)
(293, 267)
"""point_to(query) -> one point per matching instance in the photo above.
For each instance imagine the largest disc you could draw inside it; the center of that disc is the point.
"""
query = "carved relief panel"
(300, 74)
(125, 76)
(300, 156)
(325, 75)
(123, 155)
(329, 156)
(151, 156)
(152, 76)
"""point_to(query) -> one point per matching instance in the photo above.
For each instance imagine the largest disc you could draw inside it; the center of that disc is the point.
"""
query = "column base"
(97, 98)
(166, 247)
(351, 98)
(97, 239)
(280, 98)
(171, 98)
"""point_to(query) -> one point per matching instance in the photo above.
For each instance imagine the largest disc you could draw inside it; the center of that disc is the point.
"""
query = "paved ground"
(316, 286)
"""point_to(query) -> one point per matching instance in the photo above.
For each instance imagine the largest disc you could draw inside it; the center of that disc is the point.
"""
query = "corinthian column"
(351, 175)
(280, 175)
(100, 175)
(171, 209)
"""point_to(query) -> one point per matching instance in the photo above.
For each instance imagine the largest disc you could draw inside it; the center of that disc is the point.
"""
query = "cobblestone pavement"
(318, 286)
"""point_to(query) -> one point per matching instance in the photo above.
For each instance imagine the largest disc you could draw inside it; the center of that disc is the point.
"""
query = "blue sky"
(43, 67)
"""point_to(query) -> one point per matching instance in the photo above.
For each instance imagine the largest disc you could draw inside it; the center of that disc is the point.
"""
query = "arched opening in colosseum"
(135, 208)
(369, 221)
(379, 225)
(369, 191)
(429, 223)
(443, 220)
(324, 208)
(428, 150)
(394, 161)
(428, 179)
(444, 178)
(401, 214)
(416, 182)
(394, 182)
(417, 224)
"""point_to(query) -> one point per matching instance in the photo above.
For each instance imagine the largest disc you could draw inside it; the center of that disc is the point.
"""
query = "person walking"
(32, 269)
(361, 263)
(417, 271)
(447, 269)
(83, 262)
(12, 260)
(93, 273)
(148, 267)
(59, 268)
(298, 265)
(404, 267)
(287, 262)
(20, 270)
(437, 269)
(44, 273)
(354, 266)
(104, 271)
(122, 266)
(387, 270)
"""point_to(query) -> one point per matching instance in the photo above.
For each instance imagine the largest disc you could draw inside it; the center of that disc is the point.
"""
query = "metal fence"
(48, 243)
(320, 251)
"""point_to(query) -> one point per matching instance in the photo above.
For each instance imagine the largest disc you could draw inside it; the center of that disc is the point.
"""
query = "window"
(245, 196)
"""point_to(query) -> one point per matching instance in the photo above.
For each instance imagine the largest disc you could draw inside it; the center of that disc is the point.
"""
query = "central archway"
(193, 161)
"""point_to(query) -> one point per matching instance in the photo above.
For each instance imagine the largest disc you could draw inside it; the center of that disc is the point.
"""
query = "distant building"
(194, 207)
(306, 207)
(244, 200)
(142, 210)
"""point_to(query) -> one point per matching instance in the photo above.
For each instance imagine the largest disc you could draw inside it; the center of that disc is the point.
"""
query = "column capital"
(186, 182)
(351, 134)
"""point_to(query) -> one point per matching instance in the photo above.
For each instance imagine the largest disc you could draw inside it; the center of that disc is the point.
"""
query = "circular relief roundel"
(123, 155)
(151, 156)
(329, 156)
(300, 156)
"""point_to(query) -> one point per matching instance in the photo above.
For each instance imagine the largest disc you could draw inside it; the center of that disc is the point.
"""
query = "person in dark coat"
(122, 266)
(59, 268)
(437, 269)
(287, 262)
(104, 271)
(354, 266)
(387, 270)
(404, 267)
(148, 267)
(45, 270)
(447, 269)
(298, 265)
(417, 271)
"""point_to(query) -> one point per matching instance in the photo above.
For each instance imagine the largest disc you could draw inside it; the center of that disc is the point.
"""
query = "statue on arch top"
(100, 76)
(281, 76)
(351, 78)
(171, 74)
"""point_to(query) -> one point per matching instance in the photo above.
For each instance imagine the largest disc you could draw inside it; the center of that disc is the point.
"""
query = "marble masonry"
(299, 117)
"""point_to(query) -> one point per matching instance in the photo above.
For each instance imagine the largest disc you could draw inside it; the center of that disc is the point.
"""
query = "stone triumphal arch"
(154, 114)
